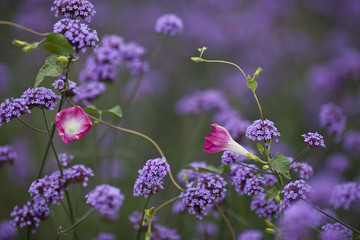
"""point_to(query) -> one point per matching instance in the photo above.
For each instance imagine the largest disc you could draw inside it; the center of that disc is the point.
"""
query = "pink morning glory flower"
(220, 140)
(72, 124)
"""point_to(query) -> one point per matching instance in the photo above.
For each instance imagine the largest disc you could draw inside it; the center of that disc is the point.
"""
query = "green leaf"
(272, 193)
(252, 84)
(256, 74)
(116, 111)
(281, 164)
(51, 68)
(185, 177)
(190, 167)
(92, 109)
(219, 170)
(58, 44)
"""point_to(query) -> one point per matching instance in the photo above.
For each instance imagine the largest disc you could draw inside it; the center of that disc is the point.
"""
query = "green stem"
(48, 144)
(142, 217)
(22, 27)
(31, 127)
(298, 156)
(28, 233)
(166, 203)
(77, 222)
(256, 169)
(333, 218)
(260, 109)
(225, 62)
(226, 221)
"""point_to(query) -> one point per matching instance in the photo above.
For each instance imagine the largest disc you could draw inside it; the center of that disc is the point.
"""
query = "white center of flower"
(72, 126)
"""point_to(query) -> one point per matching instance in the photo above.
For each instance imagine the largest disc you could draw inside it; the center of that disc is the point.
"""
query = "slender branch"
(260, 109)
(333, 218)
(225, 62)
(166, 203)
(28, 125)
(226, 221)
(300, 154)
(256, 169)
(138, 233)
(22, 27)
(140, 135)
(78, 221)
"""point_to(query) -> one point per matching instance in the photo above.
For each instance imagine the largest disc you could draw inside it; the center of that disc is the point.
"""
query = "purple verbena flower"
(49, 189)
(245, 179)
(105, 199)
(71, 88)
(352, 142)
(178, 207)
(335, 231)
(209, 189)
(169, 24)
(151, 177)
(65, 159)
(332, 118)
(78, 174)
(201, 101)
(229, 157)
(40, 97)
(305, 170)
(79, 34)
(208, 229)
(164, 233)
(250, 234)
(343, 195)
(12, 108)
(190, 173)
(132, 50)
(7, 155)
(265, 208)
(89, 91)
(73, 9)
(135, 219)
(294, 191)
(95, 71)
(7, 231)
(137, 67)
(337, 163)
(29, 215)
(314, 140)
(297, 221)
(105, 236)
(262, 131)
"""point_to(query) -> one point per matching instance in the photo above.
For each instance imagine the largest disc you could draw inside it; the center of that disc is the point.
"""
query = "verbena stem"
(333, 218)
(300, 155)
(31, 127)
(166, 203)
(87, 214)
(226, 221)
(22, 27)
(138, 233)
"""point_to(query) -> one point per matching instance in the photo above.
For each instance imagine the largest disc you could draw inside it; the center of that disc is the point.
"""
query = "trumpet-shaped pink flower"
(220, 140)
(72, 124)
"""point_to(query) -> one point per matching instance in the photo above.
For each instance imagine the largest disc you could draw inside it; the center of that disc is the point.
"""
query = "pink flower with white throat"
(220, 140)
(72, 124)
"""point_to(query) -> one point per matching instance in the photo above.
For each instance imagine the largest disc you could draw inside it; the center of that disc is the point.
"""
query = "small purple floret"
(314, 140)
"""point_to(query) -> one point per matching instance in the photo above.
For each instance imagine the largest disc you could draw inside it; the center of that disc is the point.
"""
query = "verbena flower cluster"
(151, 177)
(65, 159)
(245, 179)
(332, 118)
(293, 192)
(208, 189)
(7, 155)
(229, 157)
(79, 34)
(344, 194)
(305, 170)
(7, 231)
(73, 9)
(71, 89)
(335, 231)
(106, 199)
(40, 97)
(265, 208)
(262, 131)
(314, 140)
(250, 234)
(33, 97)
(169, 24)
(29, 215)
